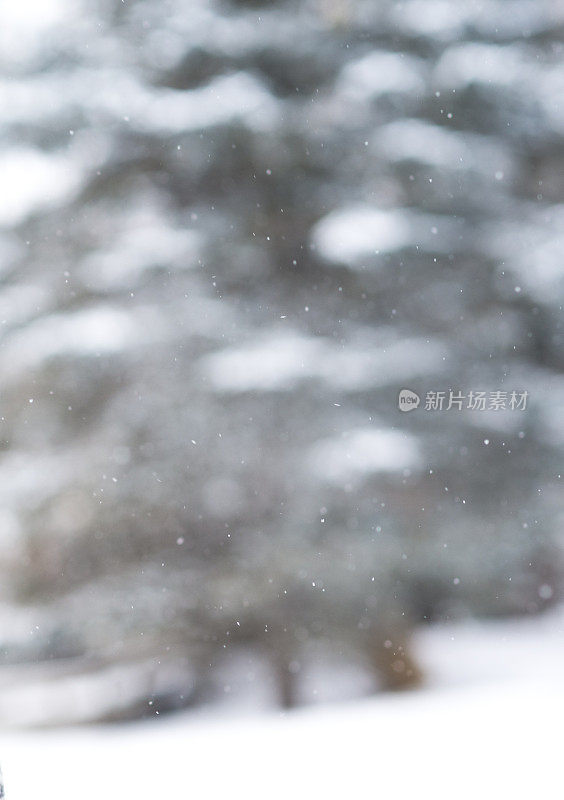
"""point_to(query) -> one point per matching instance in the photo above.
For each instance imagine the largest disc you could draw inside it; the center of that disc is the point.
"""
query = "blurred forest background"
(231, 233)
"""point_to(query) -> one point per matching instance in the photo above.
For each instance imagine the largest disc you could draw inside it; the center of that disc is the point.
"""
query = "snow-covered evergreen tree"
(232, 232)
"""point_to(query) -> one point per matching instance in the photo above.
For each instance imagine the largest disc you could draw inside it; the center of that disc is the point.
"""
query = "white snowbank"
(487, 725)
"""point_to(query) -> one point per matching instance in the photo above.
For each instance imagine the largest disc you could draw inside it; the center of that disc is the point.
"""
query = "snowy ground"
(487, 725)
